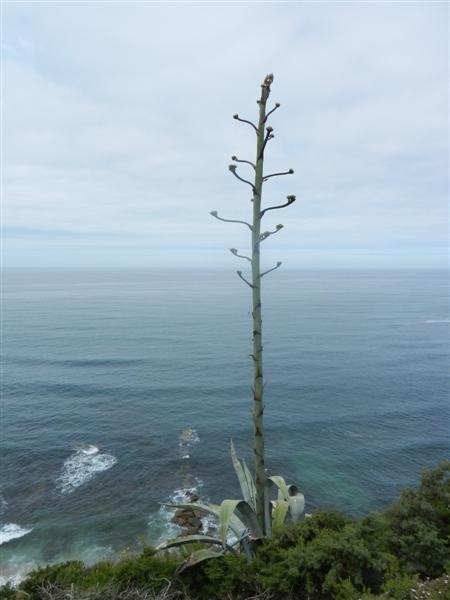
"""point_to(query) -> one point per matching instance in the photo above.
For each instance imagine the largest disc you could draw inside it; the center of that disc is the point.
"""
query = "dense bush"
(400, 554)
(418, 525)
(147, 571)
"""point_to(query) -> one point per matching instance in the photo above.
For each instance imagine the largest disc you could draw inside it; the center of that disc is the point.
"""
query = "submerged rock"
(189, 519)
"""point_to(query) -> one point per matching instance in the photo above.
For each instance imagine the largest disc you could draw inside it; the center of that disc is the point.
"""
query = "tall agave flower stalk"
(264, 133)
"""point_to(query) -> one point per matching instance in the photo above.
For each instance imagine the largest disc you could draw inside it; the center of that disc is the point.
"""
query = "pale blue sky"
(118, 132)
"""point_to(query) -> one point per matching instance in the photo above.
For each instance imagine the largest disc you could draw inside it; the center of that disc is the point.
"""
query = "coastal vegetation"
(401, 553)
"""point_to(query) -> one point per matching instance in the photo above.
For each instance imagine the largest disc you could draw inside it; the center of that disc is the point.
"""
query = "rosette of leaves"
(238, 527)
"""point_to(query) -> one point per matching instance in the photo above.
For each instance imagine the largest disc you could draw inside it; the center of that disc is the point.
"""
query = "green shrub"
(228, 577)
(7, 592)
(60, 574)
(322, 558)
(146, 571)
(418, 525)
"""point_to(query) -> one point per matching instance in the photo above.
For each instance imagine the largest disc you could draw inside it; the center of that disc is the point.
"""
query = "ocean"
(102, 371)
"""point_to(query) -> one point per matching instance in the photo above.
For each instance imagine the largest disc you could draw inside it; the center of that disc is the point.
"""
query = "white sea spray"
(82, 466)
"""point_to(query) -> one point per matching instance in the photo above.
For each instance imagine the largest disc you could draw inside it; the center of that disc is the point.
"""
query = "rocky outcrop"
(189, 519)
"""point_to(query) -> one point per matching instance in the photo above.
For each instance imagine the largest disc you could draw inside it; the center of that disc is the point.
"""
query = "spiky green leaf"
(245, 478)
(199, 556)
(189, 539)
(247, 515)
(283, 488)
(290, 494)
(213, 509)
(296, 506)
(238, 511)
(227, 509)
(293, 489)
(279, 511)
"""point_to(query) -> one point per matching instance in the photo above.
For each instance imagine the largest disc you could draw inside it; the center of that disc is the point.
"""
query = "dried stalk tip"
(233, 250)
(234, 158)
(213, 213)
(236, 116)
(269, 129)
(291, 198)
(291, 171)
(232, 167)
(277, 105)
(279, 226)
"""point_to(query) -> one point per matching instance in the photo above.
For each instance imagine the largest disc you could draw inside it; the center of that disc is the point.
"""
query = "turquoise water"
(103, 370)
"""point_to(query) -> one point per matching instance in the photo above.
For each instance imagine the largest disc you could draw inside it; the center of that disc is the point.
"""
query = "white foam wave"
(437, 321)
(185, 494)
(89, 450)
(82, 466)
(11, 531)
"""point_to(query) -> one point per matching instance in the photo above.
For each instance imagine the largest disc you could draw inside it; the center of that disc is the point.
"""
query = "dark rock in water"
(191, 496)
(189, 519)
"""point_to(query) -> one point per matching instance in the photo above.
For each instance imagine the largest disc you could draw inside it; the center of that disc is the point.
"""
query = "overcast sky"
(118, 132)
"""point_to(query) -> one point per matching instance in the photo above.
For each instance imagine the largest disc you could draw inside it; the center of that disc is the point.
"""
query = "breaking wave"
(11, 531)
(82, 466)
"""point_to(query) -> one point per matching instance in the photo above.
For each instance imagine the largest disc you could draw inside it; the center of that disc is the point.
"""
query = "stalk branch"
(290, 200)
(232, 168)
(249, 162)
(235, 252)
(237, 117)
(270, 270)
(243, 279)
(214, 214)
(290, 172)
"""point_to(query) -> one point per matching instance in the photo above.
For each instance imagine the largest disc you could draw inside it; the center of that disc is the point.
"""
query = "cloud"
(118, 130)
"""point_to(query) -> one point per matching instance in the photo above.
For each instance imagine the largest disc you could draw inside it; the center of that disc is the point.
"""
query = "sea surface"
(103, 371)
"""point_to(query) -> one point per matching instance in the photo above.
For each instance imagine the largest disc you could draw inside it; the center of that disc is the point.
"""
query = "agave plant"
(258, 177)
(238, 525)
(243, 521)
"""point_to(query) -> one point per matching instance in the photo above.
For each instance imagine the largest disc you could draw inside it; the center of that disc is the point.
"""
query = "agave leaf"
(293, 489)
(283, 488)
(189, 539)
(248, 516)
(227, 509)
(267, 514)
(238, 512)
(279, 512)
(199, 556)
(212, 509)
(245, 478)
(296, 506)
